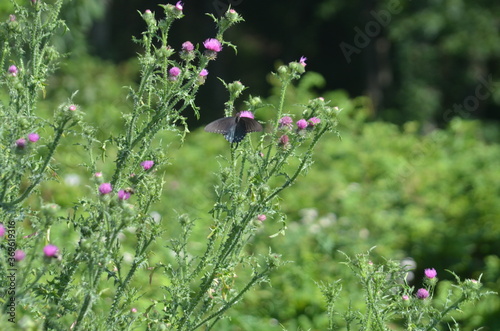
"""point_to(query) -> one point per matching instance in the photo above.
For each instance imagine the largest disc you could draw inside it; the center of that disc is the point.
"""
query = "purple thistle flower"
(246, 113)
(19, 255)
(33, 137)
(105, 188)
(72, 107)
(313, 121)
(21, 143)
(13, 70)
(98, 174)
(174, 72)
(284, 140)
(187, 46)
(146, 165)
(303, 60)
(50, 250)
(133, 310)
(430, 273)
(261, 217)
(286, 121)
(212, 44)
(405, 297)
(179, 5)
(422, 293)
(301, 124)
(2, 230)
(124, 194)
(204, 72)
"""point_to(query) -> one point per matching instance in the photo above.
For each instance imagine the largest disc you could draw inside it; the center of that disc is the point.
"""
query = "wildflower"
(19, 255)
(422, 293)
(13, 70)
(430, 273)
(232, 15)
(105, 188)
(301, 124)
(146, 165)
(405, 297)
(98, 175)
(21, 143)
(133, 310)
(124, 194)
(179, 6)
(147, 12)
(2, 230)
(284, 140)
(203, 73)
(33, 137)
(72, 107)
(50, 250)
(246, 113)
(187, 46)
(212, 44)
(285, 122)
(261, 217)
(173, 73)
(303, 60)
(313, 121)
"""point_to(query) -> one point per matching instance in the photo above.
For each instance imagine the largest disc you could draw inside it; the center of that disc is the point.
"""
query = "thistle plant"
(391, 301)
(87, 278)
(85, 283)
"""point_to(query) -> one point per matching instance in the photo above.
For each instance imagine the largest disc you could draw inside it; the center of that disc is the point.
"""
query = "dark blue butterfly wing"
(234, 129)
(222, 125)
(251, 125)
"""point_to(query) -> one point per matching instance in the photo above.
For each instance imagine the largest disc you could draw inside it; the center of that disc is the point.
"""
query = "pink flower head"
(313, 121)
(2, 230)
(21, 143)
(146, 165)
(204, 72)
(179, 5)
(72, 107)
(430, 273)
(405, 297)
(246, 113)
(212, 44)
(98, 175)
(19, 255)
(105, 188)
(422, 293)
(174, 72)
(13, 70)
(284, 140)
(124, 194)
(33, 137)
(50, 250)
(147, 11)
(261, 217)
(133, 310)
(286, 122)
(303, 60)
(301, 124)
(187, 46)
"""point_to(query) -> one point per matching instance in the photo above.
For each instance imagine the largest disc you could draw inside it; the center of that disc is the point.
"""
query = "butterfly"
(235, 128)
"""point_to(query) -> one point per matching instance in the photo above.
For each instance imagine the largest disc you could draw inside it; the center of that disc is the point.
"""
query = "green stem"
(39, 176)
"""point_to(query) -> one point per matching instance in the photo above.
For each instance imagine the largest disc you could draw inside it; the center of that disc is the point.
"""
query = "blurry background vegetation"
(411, 175)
